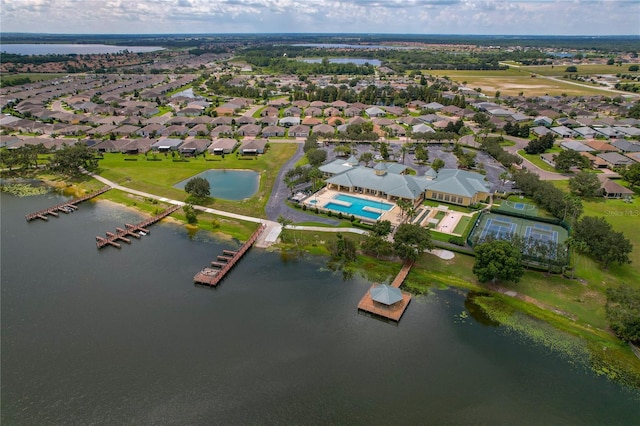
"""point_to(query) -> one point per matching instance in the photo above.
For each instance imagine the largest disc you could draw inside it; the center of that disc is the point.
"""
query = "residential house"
(194, 146)
(253, 146)
(542, 120)
(199, 130)
(271, 131)
(167, 144)
(289, 121)
(218, 131)
(615, 159)
(611, 189)
(624, 145)
(299, 131)
(249, 130)
(175, 130)
(576, 146)
(563, 131)
(375, 112)
(223, 146)
(324, 130)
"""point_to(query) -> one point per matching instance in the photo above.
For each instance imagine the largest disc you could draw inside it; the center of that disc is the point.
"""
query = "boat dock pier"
(391, 311)
(136, 231)
(66, 207)
(212, 276)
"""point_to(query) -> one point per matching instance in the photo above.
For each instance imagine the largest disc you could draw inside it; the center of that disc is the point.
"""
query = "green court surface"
(518, 207)
(502, 227)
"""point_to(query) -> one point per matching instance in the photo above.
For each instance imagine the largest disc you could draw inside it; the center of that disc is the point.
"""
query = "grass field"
(32, 76)
(158, 177)
(515, 80)
(587, 69)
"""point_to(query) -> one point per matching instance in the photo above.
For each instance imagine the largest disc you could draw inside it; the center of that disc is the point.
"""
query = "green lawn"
(535, 159)
(432, 203)
(158, 177)
(462, 225)
(587, 69)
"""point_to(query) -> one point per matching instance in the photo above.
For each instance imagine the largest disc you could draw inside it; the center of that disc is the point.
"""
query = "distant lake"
(357, 61)
(350, 46)
(68, 49)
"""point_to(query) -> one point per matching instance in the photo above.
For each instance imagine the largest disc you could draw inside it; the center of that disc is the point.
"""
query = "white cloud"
(583, 17)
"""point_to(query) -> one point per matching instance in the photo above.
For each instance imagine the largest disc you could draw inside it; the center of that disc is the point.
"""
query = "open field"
(158, 177)
(8, 78)
(587, 69)
(515, 80)
(624, 217)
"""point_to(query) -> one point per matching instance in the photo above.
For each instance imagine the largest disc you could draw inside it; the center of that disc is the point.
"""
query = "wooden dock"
(136, 231)
(212, 276)
(66, 207)
(395, 311)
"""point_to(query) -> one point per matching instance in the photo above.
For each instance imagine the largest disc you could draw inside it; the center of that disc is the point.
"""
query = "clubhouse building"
(390, 181)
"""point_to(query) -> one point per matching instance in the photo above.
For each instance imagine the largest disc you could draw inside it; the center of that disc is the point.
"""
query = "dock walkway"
(131, 230)
(66, 207)
(226, 261)
(395, 311)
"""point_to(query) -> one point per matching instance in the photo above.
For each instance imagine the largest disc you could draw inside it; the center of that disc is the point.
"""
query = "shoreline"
(591, 336)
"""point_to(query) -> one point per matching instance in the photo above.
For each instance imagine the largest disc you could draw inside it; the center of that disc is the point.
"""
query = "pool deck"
(324, 196)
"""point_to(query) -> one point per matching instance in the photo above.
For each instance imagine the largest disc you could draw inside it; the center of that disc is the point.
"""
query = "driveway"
(277, 206)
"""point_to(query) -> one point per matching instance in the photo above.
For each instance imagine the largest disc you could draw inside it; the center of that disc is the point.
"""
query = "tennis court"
(498, 226)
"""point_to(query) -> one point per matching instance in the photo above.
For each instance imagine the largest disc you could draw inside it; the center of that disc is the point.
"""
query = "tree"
(570, 158)
(632, 174)
(437, 164)
(584, 184)
(599, 241)
(422, 154)
(190, 213)
(540, 145)
(366, 158)
(381, 228)
(286, 222)
(316, 156)
(571, 68)
(634, 68)
(623, 312)
(343, 250)
(410, 241)
(498, 260)
(377, 245)
(73, 159)
(198, 188)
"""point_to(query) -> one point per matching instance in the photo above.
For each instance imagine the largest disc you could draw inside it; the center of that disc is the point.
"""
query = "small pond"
(229, 184)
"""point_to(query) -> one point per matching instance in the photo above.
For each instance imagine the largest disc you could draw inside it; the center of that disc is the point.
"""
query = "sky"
(510, 17)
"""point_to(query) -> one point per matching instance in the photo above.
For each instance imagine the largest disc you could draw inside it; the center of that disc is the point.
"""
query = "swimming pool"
(357, 206)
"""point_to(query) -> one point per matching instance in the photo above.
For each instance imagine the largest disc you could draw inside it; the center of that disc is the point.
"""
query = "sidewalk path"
(269, 236)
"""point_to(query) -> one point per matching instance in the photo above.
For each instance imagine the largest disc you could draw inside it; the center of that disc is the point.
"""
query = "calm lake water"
(229, 184)
(124, 337)
(67, 49)
(357, 61)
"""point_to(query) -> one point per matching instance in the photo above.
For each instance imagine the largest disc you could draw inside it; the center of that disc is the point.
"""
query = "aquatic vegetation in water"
(23, 189)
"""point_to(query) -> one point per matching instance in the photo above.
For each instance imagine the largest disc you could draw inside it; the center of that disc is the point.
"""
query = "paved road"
(277, 206)
(520, 143)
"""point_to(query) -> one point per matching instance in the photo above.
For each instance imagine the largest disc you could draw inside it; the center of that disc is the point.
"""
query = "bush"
(459, 241)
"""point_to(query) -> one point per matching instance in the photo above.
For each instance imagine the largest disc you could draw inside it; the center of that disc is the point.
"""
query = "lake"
(352, 46)
(124, 337)
(228, 184)
(68, 49)
(357, 61)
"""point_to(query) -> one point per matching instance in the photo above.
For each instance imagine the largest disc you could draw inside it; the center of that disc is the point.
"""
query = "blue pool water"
(357, 206)
(229, 184)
